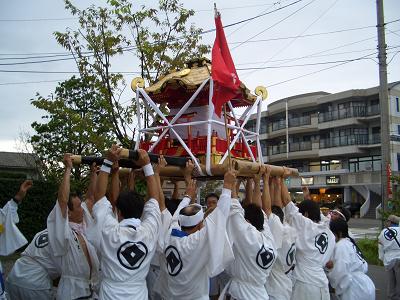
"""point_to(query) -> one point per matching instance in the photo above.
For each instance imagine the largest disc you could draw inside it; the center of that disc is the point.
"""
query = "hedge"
(34, 209)
(369, 249)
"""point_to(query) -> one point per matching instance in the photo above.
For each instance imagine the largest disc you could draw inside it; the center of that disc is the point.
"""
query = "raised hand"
(113, 154)
(191, 189)
(23, 189)
(188, 170)
(161, 164)
(230, 180)
(67, 160)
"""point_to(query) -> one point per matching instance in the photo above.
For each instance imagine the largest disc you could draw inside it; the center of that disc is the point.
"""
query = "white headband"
(189, 221)
(342, 215)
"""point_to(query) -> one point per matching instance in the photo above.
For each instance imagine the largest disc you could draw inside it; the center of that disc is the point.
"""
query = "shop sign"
(333, 179)
(307, 180)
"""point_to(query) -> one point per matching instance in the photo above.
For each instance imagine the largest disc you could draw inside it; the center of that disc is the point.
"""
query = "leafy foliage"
(394, 203)
(369, 249)
(75, 122)
(34, 209)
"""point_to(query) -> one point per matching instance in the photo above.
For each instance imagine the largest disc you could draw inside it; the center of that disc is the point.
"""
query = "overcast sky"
(276, 39)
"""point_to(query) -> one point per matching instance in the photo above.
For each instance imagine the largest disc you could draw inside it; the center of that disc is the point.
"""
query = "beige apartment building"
(334, 141)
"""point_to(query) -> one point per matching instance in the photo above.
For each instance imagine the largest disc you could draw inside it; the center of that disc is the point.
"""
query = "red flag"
(223, 71)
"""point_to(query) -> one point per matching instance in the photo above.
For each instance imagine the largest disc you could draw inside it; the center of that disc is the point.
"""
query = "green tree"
(159, 36)
(394, 203)
(75, 121)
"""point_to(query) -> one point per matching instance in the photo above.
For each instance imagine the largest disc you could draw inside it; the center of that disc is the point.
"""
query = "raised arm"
(175, 193)
(187, 171)
(266, 196)
(161, 164)
(249, 191)
(276, 191)
(151, 182)
(306, 193)
(131, 180)
(285, 195)
(102, 179)
(115, 184)
(63, 190)
(92, 187)
(257, 189)
(23, 189)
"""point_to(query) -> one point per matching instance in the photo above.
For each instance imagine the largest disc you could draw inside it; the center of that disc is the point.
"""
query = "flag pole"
(228, 140)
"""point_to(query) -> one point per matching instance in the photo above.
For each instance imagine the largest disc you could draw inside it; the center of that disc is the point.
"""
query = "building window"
(369, 163)
(397, 104)
(398, 129)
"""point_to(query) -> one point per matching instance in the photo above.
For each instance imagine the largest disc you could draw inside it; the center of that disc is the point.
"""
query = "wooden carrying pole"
(243, 168)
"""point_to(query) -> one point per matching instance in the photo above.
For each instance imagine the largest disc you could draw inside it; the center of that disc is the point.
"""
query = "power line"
(37, 20)
(293, 40)
(29, 82)
(305, 35)
(313, 56)
(273, 25)
(62, 72)
(318, 71)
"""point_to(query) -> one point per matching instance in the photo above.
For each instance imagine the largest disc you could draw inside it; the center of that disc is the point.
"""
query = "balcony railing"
(341, 141)
(301, 146)
(277, 125)
(300, 121)
(351, 112)
(277, 149)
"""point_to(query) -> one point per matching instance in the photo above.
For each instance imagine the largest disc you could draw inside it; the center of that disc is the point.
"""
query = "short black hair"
(311, 208)
(253, 213)
(211, 195)
(189, 210)
(172, 204)
(276, 210)
(73, 195)
(130, 204)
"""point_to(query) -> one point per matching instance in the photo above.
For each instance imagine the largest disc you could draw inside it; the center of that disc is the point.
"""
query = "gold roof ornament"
(261, 91)
(137, 82)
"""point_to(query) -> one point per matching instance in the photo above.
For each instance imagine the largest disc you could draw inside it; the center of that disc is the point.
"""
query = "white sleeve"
(151, 220)
(218, 244)
(294, 218)
(11, 208)
(103, 214)
(224, 202)
(11, 238)
(340, 276)
(174, 222)
(58, 230)
(166, 219)
(276, 228)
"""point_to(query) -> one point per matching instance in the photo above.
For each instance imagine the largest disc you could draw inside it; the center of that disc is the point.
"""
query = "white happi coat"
(37, 267)
(279, 284)
(389, 249)
(193, 259)
(126, 250)
(77, 280)
(314, 247)
(11, 238)
(159, 278)
(348, 275)
(255, 254)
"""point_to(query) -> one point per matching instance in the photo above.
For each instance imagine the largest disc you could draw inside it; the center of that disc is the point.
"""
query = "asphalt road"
(379, 277)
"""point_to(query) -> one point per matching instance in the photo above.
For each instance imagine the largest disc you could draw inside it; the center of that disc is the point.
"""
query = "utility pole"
(384, 104)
